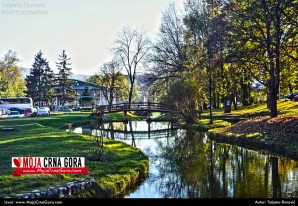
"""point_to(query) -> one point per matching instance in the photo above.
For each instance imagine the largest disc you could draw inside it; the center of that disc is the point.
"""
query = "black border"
(159, 201)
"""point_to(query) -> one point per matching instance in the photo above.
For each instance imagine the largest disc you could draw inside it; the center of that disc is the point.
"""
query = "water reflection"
(186, 164)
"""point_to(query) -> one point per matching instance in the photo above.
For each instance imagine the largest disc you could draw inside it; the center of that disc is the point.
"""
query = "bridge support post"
(149, 129)
(172, 121)
(148, 117)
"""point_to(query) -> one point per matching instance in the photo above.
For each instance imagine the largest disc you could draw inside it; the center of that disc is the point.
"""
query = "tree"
(268, 35)
(205, 42)
(113, 82)
(48, 80)
(131, 46)
(168, 54)
(11, 82)
(65, 91)
(40, 81)
(185, 96)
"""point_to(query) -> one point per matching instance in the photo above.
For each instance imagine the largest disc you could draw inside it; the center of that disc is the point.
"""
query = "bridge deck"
(125, 107)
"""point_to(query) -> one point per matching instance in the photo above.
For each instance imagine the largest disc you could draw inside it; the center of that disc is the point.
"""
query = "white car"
(63, 109)
(44, 111)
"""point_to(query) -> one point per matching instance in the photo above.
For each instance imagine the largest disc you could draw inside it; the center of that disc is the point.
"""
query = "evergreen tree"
(65, 90)
(48, 79)
(37, 83)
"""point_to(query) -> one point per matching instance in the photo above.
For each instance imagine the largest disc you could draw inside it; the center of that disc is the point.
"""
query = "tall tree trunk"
(290, 87)
(277, 56)
(273, 71)
(130, 96)
(233, 97)
(210, 100)
(111, 98)
(245, 93)
(218, 100)
(214, 97)
(268, 102)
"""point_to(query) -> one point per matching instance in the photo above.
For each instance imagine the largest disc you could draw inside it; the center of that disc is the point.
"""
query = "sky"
(86, 29)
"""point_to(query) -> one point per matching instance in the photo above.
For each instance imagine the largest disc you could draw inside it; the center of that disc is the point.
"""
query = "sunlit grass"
(284, 106)
(120, 116)
(163, 117)
(42, 136)
(204, 125)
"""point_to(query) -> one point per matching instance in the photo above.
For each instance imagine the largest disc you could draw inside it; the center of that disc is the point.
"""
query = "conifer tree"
(40, 81)
(48, 79)
(65, 90)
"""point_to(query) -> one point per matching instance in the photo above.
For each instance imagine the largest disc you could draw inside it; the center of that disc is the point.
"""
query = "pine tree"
(34, 81)
(48, 79)
(65, 90)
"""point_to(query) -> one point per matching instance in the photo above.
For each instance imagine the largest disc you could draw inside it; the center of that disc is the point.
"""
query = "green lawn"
(120, 168)
(284, 106)
(121, 165)
(259, 131)
(120, 116)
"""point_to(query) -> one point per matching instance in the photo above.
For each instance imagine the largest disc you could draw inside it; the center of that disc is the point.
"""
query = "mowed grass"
(284, 106)
(120, 116)
(258, 130)
(121, 166)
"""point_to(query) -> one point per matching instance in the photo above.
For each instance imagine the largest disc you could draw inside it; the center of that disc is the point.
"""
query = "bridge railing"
(133, 106)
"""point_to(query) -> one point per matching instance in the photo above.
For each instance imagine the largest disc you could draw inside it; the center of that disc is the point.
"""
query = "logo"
(17, 161)
(48, 165)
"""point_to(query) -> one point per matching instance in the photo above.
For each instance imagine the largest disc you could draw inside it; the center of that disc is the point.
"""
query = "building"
(95, 97)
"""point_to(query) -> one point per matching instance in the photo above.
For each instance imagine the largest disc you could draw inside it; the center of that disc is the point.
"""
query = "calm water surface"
(186, 164)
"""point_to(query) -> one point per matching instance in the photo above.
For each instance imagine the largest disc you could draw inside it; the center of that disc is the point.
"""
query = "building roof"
(80, 85)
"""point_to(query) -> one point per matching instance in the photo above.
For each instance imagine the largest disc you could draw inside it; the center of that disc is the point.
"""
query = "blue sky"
(85, 29)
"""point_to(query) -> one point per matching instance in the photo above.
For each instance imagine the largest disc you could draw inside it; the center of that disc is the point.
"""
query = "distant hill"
(82, 77)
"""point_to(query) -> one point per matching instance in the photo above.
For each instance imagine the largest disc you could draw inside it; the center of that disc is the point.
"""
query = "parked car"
(76, 108)
(63, 109)
(30, 111)
(44, 111)
(15, 114)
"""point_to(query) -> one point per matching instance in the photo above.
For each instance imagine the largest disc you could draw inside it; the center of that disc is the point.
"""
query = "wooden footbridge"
(132, 107)
(140, 135)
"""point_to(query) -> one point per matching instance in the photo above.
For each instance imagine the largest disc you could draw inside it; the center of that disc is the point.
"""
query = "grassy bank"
(284, 106)
(203, 125)
(278, 135)
(122, 166)
(120, 116)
